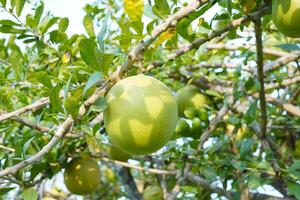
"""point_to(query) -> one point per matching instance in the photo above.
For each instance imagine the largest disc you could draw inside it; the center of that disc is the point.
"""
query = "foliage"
(40, 58)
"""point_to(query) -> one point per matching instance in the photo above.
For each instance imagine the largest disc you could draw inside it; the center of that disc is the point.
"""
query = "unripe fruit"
(153, 192)
(82, 176)
(116, 154)
(141, 115)
(183, 128)
(190, 97)
(286, 15)
(196, 129)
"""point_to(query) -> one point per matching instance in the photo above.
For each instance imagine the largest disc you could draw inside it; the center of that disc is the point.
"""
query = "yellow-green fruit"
(196, 129)
(141, 115)
(190, 97)
(286, 15)
(183, 128)
(116, 154)
(153, 192)
(82, 176)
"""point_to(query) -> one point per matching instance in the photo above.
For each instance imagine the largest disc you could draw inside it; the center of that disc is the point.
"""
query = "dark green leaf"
(246, 146)
(44, 79)
(4, 190)
(55, 101)
(294, 189)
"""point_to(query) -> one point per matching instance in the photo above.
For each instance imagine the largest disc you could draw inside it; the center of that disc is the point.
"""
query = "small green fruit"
(286, 15)
(116, 154)
(196, 129)
(82, 176)
(190, 97)
(153, 192)
(141, 115)
(183, 128)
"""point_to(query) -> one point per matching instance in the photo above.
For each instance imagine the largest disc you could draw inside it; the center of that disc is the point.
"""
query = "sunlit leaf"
(134, 9)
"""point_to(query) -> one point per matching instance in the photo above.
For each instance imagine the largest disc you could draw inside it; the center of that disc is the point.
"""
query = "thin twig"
(61, 131)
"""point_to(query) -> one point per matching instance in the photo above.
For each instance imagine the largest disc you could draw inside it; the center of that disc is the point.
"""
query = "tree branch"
(61, 131)
(36, 105)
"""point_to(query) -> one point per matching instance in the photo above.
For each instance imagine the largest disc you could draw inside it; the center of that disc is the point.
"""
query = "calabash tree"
(237, 139)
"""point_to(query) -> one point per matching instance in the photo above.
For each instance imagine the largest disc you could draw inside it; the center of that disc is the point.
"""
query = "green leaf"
(26, 146)
(9, 22)
(93, 145)
(55, 101)
(246, 146)
(58, 36)
(4, 190)
(93, 56)
(102, 33)
(38, 13)
(251, 112)
(63, 24)
(161, 8)
(88, 23)
(43, 78)
(3, 2)
(30, 194)
(93, 79)
(46, 23)
(19, 6)
(72, 106)
(10, 29)
(100, 105)
(294, 189)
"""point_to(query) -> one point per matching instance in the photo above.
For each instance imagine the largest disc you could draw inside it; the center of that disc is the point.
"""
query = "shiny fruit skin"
(115, 153)
(82, 176)
(153, 192)
(190, 97)
(141, 115)
(183, 128)
(286, 17)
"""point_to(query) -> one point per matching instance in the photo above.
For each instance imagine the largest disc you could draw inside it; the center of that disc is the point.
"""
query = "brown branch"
(197, 43)
(34, 106)
(252, 48)
(260, 72)
(61, 131)
(43, 129)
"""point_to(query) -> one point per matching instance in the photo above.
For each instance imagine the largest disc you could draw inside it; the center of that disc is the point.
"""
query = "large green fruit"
(286, 16)
(190, 97)
(153, 192)
(116, 154)
(141, 115)
(82, 176)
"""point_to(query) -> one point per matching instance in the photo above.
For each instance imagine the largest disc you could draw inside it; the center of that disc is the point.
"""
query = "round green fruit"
(116, 154)
(183, 128)
(141, 115)
(82, 176)
(153, 192)
(286, 15)
(196, 128)
(190, 97)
